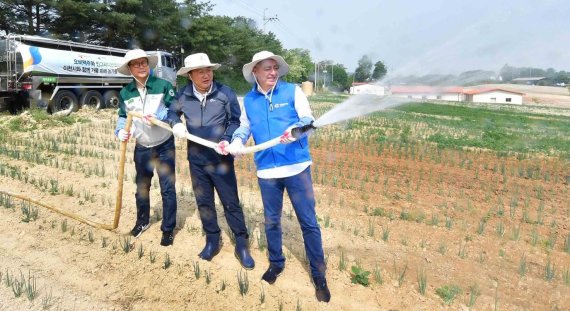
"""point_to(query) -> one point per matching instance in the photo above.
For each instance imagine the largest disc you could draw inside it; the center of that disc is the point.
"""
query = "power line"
(250, 8)
(287, 31)
(268, 19)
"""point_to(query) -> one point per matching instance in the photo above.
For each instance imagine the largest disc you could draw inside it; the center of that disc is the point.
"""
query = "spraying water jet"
(354, 107)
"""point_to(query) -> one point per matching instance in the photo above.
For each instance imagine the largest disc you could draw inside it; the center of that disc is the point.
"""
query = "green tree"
(5, 18)
(332, 76)
(189, 12)
(324, 75)
(529, 72)
(380, 71)
(340, 78)
(474, 77)
(300, 65)
(364, 69)
(71, 15)
(562, 77)
(231, 42)
(156, 24)
(550, 73)
(147, 24)
(115, 23)
(350, 79)
(26, 16)
(508, 73)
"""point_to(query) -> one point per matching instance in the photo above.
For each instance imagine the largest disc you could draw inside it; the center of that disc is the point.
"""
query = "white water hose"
(268, 144)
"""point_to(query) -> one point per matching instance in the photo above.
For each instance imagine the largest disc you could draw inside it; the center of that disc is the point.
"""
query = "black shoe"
(321, 289)
(167, 238)
(272, 273)
(139, 229)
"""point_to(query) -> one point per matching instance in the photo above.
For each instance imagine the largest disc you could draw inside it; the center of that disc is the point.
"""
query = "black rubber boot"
(242, 253)
(212, 248)
(270, 276)
(322, 291)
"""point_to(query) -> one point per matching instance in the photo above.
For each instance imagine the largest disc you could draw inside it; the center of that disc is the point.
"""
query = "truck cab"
(166, 67)
(13, 90)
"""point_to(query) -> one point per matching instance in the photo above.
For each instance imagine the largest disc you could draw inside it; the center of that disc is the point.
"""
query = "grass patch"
(502, 129)
(38, 118)
(448, 293)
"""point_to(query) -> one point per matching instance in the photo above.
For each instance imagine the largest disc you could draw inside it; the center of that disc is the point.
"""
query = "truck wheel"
(93, 99)
(111, 99)
(64, 100)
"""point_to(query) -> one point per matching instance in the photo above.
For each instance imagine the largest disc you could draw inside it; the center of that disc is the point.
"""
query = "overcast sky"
(419, 37)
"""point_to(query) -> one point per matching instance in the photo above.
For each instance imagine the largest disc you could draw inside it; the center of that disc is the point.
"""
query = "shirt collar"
(199, 95)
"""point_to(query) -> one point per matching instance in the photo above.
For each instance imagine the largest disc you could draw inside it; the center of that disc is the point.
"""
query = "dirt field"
(78, 267)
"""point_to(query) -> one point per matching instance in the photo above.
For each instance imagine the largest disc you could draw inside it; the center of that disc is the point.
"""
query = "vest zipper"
(270, 109)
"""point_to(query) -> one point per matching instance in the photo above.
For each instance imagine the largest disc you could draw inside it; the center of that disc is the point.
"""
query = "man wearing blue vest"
(271, 109)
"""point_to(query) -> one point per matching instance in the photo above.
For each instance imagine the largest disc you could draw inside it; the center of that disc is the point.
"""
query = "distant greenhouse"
(531, 81)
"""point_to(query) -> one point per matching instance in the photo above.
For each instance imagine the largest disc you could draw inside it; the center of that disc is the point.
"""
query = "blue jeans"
(163, 157)
(222, 177)
(300, 191)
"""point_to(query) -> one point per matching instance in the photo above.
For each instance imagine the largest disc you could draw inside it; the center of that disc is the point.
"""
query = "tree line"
(506, 74)
(182, 27)
(550, 75)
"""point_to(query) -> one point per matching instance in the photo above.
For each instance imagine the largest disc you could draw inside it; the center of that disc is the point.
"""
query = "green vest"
(159, 95)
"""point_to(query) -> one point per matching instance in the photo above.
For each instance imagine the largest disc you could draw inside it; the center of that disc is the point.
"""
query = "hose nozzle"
(297, 132)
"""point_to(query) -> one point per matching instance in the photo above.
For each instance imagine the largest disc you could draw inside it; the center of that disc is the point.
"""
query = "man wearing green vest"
(154, 145)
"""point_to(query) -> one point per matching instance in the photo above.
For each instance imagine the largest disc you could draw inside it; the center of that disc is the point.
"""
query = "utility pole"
(325, 77)
(316, 76)
(268, 19)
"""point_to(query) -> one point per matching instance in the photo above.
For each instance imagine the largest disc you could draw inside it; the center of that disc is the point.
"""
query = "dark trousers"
(300, 190)
(163, 157)
(222, 177)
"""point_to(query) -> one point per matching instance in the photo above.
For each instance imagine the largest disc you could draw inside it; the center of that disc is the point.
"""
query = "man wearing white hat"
(212, 112)
(154, 145)
(271, 109)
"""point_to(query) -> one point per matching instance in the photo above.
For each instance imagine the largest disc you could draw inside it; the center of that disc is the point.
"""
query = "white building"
(493, 95)
(451, 93)
(367, 88)
(458, 94)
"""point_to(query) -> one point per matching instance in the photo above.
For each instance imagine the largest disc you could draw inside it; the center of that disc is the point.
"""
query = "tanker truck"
(62, 76)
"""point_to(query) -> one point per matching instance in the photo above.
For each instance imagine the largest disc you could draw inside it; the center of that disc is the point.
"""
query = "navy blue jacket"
(215, 121)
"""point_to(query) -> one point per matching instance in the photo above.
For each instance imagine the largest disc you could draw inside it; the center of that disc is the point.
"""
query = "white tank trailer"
(62, 76)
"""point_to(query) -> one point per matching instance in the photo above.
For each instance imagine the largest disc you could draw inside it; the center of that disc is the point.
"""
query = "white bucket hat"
(135, 54)
(261, 56)
(196, 61)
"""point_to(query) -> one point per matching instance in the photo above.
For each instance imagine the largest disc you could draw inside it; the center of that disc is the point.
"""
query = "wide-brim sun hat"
(196, 61)
(136, 54)
(261, 56)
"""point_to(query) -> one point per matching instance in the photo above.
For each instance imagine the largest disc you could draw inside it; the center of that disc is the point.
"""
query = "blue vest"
(268, 120)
